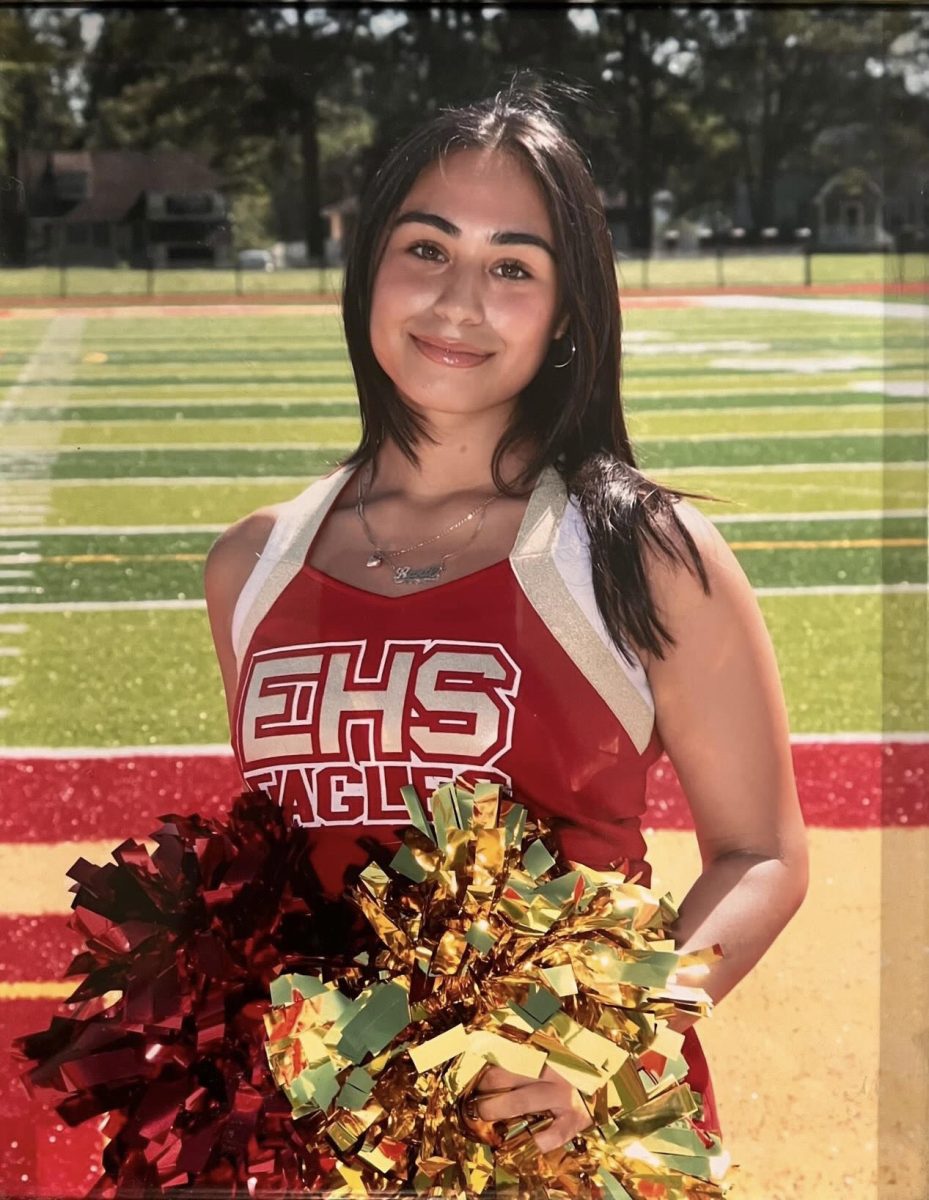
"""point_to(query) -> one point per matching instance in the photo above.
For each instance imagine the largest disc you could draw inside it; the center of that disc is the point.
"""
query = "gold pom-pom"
(492, 954)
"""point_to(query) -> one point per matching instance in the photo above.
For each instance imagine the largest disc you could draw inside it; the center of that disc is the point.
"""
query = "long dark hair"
(574, 416)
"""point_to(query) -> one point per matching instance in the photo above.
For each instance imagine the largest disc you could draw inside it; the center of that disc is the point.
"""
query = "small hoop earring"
(570, 357)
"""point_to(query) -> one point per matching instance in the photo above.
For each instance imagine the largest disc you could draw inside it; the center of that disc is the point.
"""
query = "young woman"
(488, 586)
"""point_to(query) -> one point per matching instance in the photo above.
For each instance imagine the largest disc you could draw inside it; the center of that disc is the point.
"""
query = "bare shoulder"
(685, 605)
(229, 562)
(234, 551)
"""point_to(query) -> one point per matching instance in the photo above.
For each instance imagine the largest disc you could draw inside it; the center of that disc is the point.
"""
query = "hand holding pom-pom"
(534, 1002)
(501, 1095)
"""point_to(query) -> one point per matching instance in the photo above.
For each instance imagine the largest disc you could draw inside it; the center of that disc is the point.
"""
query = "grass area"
(667, 271)
(757, 421)
(785, 415)
(163, 685)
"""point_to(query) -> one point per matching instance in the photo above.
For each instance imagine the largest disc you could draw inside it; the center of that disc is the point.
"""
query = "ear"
(561, 326)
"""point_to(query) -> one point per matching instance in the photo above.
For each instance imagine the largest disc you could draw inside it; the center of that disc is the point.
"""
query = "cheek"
(524, 320)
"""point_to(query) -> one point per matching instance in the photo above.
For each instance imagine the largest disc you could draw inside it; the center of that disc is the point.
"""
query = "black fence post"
(805, 237)
(150, 277)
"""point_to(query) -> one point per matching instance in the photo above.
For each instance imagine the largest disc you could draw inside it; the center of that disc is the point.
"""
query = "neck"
(459, 461)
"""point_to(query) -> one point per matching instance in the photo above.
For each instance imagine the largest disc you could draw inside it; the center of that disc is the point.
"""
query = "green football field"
(129, 442)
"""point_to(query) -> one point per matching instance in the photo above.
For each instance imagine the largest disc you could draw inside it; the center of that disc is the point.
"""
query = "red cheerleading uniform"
(506, 674)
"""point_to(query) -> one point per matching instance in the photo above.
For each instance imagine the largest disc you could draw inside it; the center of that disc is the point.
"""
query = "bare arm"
(723, 720)
(229, 562)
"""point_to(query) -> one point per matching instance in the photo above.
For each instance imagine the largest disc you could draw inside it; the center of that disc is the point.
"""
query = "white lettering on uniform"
(350, 736)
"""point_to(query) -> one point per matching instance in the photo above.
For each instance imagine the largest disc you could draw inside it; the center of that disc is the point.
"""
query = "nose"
(460, 299)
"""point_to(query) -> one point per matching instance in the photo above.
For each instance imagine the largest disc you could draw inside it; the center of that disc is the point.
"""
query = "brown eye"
(423, 246)
(519, 267)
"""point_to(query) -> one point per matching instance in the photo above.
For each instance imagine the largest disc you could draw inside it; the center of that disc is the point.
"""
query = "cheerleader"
(488, 586)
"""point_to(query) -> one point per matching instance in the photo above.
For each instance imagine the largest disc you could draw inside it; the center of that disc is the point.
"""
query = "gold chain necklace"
(405, 574)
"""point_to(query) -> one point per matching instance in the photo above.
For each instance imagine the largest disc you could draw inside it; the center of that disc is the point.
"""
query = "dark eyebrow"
(508, 238)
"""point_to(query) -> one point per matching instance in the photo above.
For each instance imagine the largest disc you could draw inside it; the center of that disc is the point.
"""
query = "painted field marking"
(305, 480)
(47, 374)
(830, 544)
(116, 558)
(118, 530)
(99, 605)
(768, 544)
(872, 514)
(865, 589)
(786, 410)
(748, 436)
(851, 589)
(36, 989)
(183, 750)
(824, 305)
(902, 387)
(195, 480)
(128, 448)
(133, 530)
(744, 469)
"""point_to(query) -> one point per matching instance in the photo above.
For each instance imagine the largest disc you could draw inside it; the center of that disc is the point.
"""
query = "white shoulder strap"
(551, 560)
(284, 554)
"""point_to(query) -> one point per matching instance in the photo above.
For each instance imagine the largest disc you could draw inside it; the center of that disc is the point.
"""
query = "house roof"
(118, 177)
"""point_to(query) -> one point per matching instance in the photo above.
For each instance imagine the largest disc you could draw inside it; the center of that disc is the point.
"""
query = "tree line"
(294, 104)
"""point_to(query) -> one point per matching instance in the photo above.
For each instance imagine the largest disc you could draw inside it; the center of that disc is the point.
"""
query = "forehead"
(484, 188)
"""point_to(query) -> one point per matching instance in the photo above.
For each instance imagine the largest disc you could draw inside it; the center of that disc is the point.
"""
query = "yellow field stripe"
(33, 875)
(811, 544)
(37, 989)
(830, 544)
(110, 558)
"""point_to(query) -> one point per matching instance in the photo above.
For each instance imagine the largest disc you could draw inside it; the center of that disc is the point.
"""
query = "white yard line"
(918, 738)
(180, 447)
(224, 749)
(187, 481)
(100, 606)
(92, 530)
(830, 305)
(872, 514)
(707, 469)
(867, 589)
(851, 589)
(306, 480)
(739, 436)
(46, 377)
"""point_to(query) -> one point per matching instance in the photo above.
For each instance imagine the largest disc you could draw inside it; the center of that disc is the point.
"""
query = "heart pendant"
(374, 561)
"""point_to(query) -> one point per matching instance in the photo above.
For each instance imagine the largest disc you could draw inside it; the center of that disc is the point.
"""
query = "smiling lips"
(444, 353)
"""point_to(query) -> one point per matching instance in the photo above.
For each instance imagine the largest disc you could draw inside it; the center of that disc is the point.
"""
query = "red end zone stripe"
(858, 785)
(56, 1160)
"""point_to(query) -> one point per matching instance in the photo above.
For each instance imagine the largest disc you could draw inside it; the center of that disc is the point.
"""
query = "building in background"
(101, 208)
